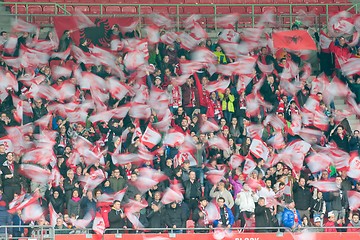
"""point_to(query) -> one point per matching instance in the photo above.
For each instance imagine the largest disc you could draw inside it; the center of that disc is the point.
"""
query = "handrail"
(39, 232)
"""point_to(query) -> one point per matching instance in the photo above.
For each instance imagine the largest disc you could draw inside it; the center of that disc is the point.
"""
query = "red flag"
(153, 34)
(162, 21)
(82, 20)
(325, 186)
(249, 166)
(122, 159)
(220, 142)
(32, 212)
(35, 173)
(209, 126)
(325, 41)
(189, 22)
(213, 212)
(187, 42)
(171, 195)
(294, 40)
(354, 166)
(228, 21)
(53, 215)
(354, 200)
(259, 149)
(169, 38)
(151, 137)
(93, 180)
(236, 160)
(318, 162)
(215, 176)
(98, 224)
(173, 138)
(20, 25)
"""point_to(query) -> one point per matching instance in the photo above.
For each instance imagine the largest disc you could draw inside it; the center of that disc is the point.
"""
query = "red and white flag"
(293, 40)
(19, 25)
(219, 85)
(215, 176)
(220, 142)
(188, 42)
(325, 186)
(161, 21)
(171, 195)
(53, 215)
(325, 40)
(98, 224)
(82, 21)
(354, 200)
(318, 162)
(32, 212)
(249, 166)
(173, 138)
(354, 166)
(151, 137)
(35, 173)
(228, 21)
(153, 35)
(209, 126)
(259, 149)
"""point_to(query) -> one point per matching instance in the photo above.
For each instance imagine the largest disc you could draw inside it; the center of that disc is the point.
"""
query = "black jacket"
(14, 181)
(156, 219)
(175, 216)
(262, 216)
(115, 220)
(302, 197)
(188, 185)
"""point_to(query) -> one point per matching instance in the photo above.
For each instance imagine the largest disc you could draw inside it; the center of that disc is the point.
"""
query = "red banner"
(294, 40)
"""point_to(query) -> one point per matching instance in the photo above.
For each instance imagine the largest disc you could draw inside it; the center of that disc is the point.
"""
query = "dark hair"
(2, 32)
(221, 198)
(116, 201)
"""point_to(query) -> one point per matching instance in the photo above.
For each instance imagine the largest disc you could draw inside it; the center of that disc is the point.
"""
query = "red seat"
(128, 10)
(210, 23)
(223, 1)
(296, 9)
(146, 10)
(95, 9)
(191, 10)
(208, 10)
(34, 9)
(190, 225)
(132, 1)
(346, 7)
(69, 9)
(257, 10)
(316, 9)
(251, 1)
(86, 1)
(153, 1)
(47, 9)
(173, 10)
(283, 9)
(160, 9)
(267, 1)
(21, 9)
(245, 21)
(191, 1)
(112, 10)
(235, 2)
(297, 1)
(40, 20)
(223, 10)
(269, 8)
(84, 9)
(112, 1)
(333, 9)
(176, 1)
(238, 9)
(207, 1)
(283, 1)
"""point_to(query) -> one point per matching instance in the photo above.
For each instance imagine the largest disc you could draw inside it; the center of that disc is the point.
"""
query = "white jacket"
(246, 201)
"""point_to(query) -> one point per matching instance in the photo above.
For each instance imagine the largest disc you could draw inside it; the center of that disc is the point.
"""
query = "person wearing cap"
(331, 224)
(354, 224)
(317, 225)
(219, 190)
(291, 217)
(201, 216)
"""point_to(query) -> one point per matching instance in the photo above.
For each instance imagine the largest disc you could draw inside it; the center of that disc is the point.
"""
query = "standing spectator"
(318, 205)
(2, 154)
(155, 212)
(174, 217)
(117, 182)
(317, 225)
(331, 225)
(245, 201)
(291, 216)
(227, 102)
(192, 191)
(226, 219)
(73, 206)
(339, 200)
(87, 204)
(10, 177)
(117, 218)
(70, 184)
(56, 199)
(302, 197)
(219, 190)
(267, 191)
(17, 221)
(354, 224)
(340, 138)
(262, 216)
(5, 217)
(201, 216)
(190, 96)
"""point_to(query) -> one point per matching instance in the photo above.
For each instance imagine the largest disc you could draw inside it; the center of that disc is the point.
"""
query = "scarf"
(355, 224)
(76, 199)
(206, 215)
(224, 217)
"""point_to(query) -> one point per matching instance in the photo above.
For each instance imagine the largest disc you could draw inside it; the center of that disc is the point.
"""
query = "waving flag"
(151, 137)
(294, 40)
(354, 200)
(259, 149)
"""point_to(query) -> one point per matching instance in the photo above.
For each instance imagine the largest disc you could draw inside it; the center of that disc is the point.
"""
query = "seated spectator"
(354, 224)
(291, 217)
(226, 219)
(317, 225)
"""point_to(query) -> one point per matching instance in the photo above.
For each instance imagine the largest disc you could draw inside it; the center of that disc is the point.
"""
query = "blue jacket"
(288, 218)
(231, 218)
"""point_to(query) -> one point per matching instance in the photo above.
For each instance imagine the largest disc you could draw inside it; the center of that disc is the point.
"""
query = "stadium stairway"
(353, 120)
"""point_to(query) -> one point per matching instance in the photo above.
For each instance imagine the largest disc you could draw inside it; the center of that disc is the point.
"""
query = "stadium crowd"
(218, 162)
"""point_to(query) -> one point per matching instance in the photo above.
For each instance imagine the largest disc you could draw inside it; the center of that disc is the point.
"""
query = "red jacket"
(341, 53)
(331, 227)
(350, 229)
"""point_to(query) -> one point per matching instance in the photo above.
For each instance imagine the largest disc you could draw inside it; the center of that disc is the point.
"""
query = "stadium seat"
(283, 1)
(41, 20)
(223, 10)
(207, 1)
(84, 9)
(257, 10)
(69, 9)
(297, 1)
(112, 1)
(153, 1)
(236, 1)
(48, 9)
(132, 1)
(296, 9)
(190, 224)
(267, 1)
(34, 9)
(223, 2)
(191, 1)
(160, 9)
(245, 21)
(283, 9)
(191, 10)
(269, 8)
(21, 9)
(112, 10)
(146, 10)
(316, 9)
(238, 9)
(252, 1)
(128, 10)
(207, 10)
(346, 8)
(95, 9)
(173, 10)
(333, 9)
(210, 23)
(86, 1)
(176, 1)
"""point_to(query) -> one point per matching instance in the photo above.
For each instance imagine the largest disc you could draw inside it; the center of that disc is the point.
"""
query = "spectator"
(219, 190)
(339, 201)
(262, 216)
(73, 206)
(87, 204)
(227, 102)
(117, 218)
(245, 201)
(332, 224)
(117, 182)
(18, 232)
(174, 217)
(192, 191)
(305, 223)
(291, 217)
(5, 217)
(10, 177)
(302, 197)
(340, 138)
(155, 213)
(226, 219)
(317, 225)
(318, 205)
(70, 184)
(354, 224)
(201, 216)
(60, 227)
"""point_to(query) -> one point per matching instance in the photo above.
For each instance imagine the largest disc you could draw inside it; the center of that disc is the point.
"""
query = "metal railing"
(34, 232)
(284, 19)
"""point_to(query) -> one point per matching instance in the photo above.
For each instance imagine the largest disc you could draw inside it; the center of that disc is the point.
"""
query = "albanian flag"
(294, 40)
